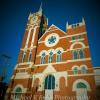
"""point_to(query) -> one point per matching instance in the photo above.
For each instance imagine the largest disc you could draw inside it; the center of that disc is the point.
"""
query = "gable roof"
(51, 29)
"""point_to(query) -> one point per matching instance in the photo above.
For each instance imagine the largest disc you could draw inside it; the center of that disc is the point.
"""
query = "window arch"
(81, 91)
(81, 87)
(18, 92)
(50, 57)
(58, 59)
(49, 82)
(43, 58)
(80, 43)
(24, 55)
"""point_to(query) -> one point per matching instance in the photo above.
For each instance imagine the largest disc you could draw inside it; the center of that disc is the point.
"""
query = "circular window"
(52, 40)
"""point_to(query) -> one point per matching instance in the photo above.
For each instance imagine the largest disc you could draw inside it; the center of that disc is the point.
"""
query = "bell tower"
(21, 78)
(36, 26)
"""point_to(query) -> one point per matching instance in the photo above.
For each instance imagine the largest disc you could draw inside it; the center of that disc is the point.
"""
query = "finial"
(83, 21)
(40, 9)
(66, 25)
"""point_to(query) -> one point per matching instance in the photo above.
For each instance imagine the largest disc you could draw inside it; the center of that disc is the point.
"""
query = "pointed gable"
(52, 29)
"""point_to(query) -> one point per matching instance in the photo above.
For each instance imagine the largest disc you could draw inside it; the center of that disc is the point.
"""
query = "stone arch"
(75, 43)
(74, 87)
(18, 86)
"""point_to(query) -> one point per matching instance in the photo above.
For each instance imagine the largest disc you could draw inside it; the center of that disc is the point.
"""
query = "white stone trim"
(74, 88)
(83, 45)
(59, 48)
(33, 36)
(50, 31)
(66, 36)
(22, 75)
(77, 40)
(75, 67)
(83, 65)
(53, 44)
(42, 76)
(51, 50)
(67, 61)
(21, 86)
(25, 49)
(75, 75)
(43, 52)
(25, 63)
(65, 50)
(28, 37)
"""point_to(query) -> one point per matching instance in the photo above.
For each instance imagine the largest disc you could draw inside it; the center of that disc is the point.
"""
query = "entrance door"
(81, 92)
(49, 86)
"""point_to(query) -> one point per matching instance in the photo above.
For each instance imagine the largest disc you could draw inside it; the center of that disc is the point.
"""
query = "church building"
(53, 64)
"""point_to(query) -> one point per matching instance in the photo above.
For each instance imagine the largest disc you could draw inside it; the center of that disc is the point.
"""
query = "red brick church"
(53, 64)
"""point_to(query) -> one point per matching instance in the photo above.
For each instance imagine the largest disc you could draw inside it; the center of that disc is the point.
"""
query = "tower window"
(75, 70)
(79, 36)
(73, 37)
(30, 55)
(43, 58)
(83, 70)
(75, 55)
(50, 57)
(24, 55)
(81, 54)
(58, 56)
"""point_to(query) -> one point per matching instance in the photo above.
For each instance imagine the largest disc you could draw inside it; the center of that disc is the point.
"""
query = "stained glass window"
(30, 55)
(75, 55)
(50, 57)
(81, 85)
(52, 39)
(59, 56)
(75, 70)
(24, 55)
(81, 54)
(43, 58)
(83, 70)
(50, 82)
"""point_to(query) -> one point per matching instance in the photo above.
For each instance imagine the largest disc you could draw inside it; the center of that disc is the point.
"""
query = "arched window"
(24, 55)
(58, 59)
(43, 58)
(81, 91)
(83, 70)
(18, 92)
(81, 85)
(75, 70)
(50, 82)
(75, 55)
(73, 37)
(81, 54)
(50, 57)
(30, 55)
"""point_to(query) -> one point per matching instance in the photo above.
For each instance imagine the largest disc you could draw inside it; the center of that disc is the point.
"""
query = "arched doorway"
(81, 91)
(49, 87)
(50, 82)
(18, 92)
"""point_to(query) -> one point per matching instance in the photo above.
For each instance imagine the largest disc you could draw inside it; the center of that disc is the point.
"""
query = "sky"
(13, 19)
